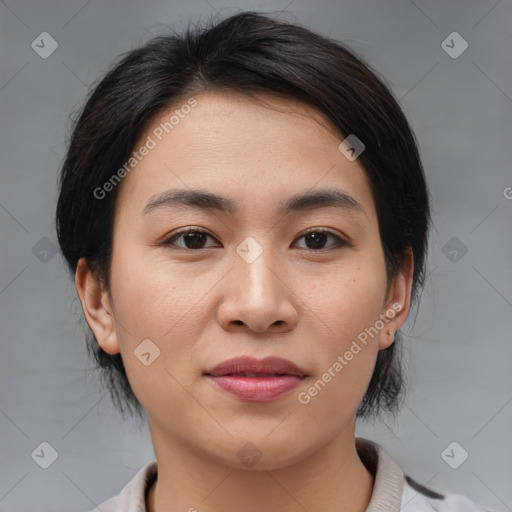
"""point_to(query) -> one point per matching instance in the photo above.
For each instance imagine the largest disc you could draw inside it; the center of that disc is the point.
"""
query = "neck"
(332, 478)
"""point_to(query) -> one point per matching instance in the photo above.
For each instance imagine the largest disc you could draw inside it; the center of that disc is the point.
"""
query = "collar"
(389, 477)
(386, 495)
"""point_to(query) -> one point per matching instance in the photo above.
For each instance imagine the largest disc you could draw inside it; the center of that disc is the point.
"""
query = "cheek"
(158, 302)
(333, 396)
(156, 316)
(155, 298)
(345, 302)
(346, 307)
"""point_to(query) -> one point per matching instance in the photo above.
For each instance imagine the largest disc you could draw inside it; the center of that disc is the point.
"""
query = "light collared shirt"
(392, 490)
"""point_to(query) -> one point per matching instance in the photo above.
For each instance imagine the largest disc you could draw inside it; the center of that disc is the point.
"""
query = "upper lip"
(246, 364)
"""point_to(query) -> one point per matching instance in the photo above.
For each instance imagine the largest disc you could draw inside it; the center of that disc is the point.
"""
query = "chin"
(262, 453)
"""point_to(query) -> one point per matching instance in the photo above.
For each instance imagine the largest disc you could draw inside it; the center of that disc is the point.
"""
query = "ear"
(398, 301)
(96, 307)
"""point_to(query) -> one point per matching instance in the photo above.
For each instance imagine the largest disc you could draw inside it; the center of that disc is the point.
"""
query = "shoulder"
(418, 498)
(393, 491)
(132, 497)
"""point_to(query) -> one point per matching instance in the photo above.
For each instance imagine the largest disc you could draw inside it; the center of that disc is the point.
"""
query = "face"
(262, 274)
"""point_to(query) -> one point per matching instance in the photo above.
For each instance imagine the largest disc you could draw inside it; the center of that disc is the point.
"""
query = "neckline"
(388, 477)
(387, 486)
(150, 483)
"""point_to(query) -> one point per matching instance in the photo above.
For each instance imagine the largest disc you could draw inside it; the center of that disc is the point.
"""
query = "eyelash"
(170, 240)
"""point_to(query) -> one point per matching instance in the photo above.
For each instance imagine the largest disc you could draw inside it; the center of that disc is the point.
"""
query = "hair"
(247, 53)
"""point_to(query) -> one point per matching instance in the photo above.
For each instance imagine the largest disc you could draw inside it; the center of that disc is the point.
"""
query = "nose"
(258, 296)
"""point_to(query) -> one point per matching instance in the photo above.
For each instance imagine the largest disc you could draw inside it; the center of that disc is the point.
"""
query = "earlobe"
(398, 302)
(96, 307)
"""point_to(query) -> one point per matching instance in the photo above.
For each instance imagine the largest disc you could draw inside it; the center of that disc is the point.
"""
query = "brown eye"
(193, 239)
(317, 239)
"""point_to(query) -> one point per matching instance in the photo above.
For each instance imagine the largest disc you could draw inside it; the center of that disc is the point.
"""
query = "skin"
(201, 306)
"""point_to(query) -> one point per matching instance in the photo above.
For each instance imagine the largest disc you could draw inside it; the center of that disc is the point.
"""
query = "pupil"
(191, 239)
(314, 238)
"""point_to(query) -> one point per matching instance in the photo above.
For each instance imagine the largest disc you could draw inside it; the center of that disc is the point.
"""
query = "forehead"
(259, 150)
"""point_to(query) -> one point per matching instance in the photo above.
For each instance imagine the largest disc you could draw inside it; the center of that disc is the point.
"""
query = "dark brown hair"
(249, 53)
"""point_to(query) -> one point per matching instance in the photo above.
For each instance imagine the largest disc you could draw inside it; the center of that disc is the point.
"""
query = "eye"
(193, 238)
(316, 238)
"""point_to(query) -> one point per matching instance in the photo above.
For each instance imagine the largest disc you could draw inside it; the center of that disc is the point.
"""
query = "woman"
(244, 211)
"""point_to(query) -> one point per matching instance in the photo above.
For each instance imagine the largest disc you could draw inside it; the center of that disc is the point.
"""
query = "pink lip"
(274, 377)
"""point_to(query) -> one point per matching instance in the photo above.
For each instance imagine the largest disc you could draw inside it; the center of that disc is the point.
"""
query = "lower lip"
(257, 389)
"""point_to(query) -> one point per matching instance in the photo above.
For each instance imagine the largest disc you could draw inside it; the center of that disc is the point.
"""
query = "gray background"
(459, 350)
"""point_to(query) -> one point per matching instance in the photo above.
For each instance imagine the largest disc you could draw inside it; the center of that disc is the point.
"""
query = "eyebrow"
(209, 201)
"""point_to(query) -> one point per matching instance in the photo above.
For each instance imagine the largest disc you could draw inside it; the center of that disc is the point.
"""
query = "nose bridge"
(253, 267)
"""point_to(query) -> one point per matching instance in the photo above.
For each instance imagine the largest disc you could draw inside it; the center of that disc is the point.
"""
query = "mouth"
(256, 380)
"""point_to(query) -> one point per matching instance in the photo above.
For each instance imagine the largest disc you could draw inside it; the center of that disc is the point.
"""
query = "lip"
(256, 380)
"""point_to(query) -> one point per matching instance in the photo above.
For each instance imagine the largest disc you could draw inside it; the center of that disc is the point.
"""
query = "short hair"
(247, 53)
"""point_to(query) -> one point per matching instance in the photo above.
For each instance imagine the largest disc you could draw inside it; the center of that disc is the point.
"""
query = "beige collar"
(389, 477)
(386, 495)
